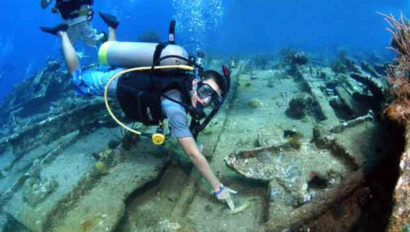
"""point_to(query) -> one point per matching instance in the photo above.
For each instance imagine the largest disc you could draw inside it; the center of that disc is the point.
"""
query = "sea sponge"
(254, 103)
(401, 92)
(101, 167)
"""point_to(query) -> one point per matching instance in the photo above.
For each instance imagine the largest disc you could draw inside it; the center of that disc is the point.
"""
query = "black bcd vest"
(139, 94)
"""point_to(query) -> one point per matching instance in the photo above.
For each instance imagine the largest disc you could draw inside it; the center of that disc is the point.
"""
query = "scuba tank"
(140, 54)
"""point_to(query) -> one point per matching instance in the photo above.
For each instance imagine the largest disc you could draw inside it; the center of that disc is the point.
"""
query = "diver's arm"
(45, 3)
(191, 149)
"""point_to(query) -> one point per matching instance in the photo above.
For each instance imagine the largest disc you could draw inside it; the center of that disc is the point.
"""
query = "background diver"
(179, 96)
(77, 15)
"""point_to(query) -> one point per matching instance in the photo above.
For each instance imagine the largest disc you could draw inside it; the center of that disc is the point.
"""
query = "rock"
(167, 226)
(302, 105)
(297, 108)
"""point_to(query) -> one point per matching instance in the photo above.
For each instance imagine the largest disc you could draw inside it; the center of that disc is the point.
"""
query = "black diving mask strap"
(189, 108)
(196, 126)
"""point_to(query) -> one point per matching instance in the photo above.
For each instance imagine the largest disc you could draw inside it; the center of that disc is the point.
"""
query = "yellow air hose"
(182, 67)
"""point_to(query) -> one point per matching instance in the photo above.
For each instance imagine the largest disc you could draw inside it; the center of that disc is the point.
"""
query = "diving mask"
(208, 94)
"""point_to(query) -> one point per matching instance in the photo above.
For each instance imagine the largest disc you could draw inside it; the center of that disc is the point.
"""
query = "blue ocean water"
(224, 27)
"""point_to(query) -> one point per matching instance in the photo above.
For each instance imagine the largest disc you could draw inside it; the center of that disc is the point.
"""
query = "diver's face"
(206, 91)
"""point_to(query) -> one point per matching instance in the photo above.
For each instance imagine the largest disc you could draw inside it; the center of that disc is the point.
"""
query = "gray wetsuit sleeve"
(176, 115)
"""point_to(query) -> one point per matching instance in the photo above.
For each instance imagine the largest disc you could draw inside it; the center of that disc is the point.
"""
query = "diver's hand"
(224, 194)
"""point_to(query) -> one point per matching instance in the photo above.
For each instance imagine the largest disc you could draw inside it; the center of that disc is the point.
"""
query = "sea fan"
(399, 73)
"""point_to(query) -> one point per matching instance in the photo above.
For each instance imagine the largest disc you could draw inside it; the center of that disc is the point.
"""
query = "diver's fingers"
(232, 191)
(230, 203)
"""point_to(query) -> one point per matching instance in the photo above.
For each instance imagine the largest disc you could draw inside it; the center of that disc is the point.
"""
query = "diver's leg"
(112, 23)
(112, 35)
(73, 34)
(56, 29)
(70, 56)
(45, 3)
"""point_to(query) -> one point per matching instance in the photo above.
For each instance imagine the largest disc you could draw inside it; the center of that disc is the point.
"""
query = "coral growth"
(101, 167)
(302, 105)
(398, 74)
(398, 113)
(292, 56)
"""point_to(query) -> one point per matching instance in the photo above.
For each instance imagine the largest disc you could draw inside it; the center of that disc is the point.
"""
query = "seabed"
(302, 142)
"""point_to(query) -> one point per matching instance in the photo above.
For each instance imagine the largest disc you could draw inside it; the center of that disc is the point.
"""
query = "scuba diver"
(150, 96)
(77, 14)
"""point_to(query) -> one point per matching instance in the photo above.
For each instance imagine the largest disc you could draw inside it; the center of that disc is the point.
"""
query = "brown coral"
(397, 113)
(400, 93)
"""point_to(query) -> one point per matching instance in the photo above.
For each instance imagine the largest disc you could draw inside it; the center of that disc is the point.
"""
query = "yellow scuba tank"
(139, 54)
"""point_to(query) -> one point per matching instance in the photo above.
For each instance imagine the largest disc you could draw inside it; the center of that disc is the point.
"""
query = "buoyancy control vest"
(70, 9)
(139, 93)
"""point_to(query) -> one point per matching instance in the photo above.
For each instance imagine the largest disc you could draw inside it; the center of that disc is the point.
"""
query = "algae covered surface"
(278, 163)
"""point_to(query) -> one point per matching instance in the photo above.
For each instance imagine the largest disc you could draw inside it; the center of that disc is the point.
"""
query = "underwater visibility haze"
(307, 127)
(231, 27)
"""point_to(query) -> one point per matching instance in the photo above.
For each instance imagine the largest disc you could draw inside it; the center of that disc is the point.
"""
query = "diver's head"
(210, 90)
